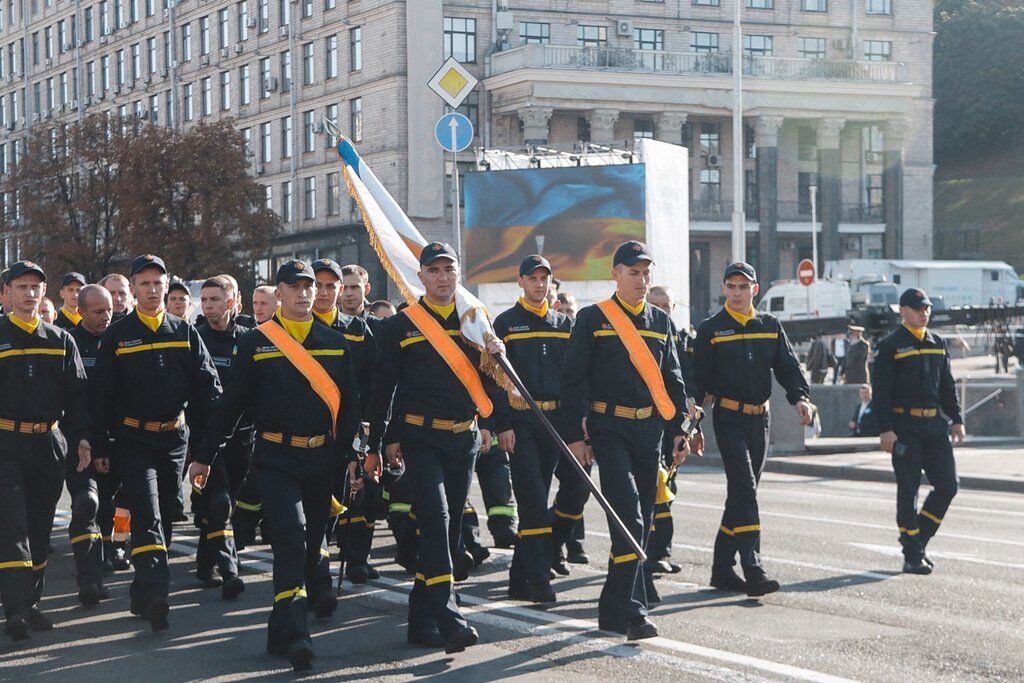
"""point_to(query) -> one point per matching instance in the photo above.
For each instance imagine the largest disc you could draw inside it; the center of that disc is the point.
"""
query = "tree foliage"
(979, 75)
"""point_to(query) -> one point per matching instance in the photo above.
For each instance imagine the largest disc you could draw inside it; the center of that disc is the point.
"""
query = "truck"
(790, 300)
(958, 283)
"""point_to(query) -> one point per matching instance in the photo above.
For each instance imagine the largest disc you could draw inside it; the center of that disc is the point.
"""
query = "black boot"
(726, 579)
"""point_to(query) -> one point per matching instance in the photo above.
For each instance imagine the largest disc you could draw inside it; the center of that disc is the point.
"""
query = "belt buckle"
(315, 441)
(644, 413)
(39, 428)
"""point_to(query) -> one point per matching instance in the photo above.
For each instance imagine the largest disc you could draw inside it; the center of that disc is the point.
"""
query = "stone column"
(893, 135)
(535, 124)
(602, 125)
(668, 127)
(767, 138)
(830, 189)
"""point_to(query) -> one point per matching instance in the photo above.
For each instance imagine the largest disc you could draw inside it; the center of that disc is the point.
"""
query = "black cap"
(178, 283)
(740, 268)
(532, 263)
(147, 261)
(327, 264)
(72, 277)
(293, 270)
(436, 250)
(21, 268)
(629, 253)
(915, 298)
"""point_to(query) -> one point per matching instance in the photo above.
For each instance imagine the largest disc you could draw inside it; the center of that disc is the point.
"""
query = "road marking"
(941, 555)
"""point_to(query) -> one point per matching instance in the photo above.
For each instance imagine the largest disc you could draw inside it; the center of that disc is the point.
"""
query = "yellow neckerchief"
(296, 328)
(443, 311)
(328, 317)
(71, 315)
(152, 322)
(29, 326)
(918, 332)
(634, 310)
(741, 318)
(540, 312)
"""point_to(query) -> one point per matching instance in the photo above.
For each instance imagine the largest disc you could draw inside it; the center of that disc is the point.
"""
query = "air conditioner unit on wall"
(872, 157)
(714, 161)
(623, 28)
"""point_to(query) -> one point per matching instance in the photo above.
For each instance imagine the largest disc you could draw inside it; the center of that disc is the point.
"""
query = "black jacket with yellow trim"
(152, 376)
(88, 346)
(63, 321)
(43, 380)
(736, 361)
(364, 349)
(912, 374)
(265, 385)
(597, 367)
(412, 378)
(222, 344)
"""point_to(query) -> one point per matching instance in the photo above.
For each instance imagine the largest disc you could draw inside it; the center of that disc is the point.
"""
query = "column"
(830, 189)
(602, 126)
(668, 127)
(535, 124)
(893, 135)
(767, 132)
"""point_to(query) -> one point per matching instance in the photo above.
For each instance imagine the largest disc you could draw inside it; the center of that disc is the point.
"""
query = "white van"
(790, 300)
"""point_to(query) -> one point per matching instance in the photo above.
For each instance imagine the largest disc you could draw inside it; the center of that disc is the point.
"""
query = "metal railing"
(717, 210)
(710, 63)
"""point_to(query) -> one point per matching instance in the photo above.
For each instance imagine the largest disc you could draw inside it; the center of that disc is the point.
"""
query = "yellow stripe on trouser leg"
(746, 529)
(622, 559)
(909, 532)
(16, 564)
(535, 532)
(155, 547)
(39, 567)
(501, 511)
(434, 580)
(86, 537)
(218, 534)
(249, 506)
(928, 515)
(290, 593)
(566, 515)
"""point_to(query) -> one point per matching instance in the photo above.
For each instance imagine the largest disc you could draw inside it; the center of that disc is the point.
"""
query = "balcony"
(718, 210)
(800, 211)
(715, 64)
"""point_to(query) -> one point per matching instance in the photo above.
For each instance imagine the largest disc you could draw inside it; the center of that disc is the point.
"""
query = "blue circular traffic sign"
(454, 132)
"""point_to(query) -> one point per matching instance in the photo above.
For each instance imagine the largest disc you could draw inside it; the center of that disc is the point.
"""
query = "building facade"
(837, 94)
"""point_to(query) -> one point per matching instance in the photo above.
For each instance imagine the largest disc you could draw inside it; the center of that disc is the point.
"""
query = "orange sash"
(318, 378)
(452, 355)
(641, 357)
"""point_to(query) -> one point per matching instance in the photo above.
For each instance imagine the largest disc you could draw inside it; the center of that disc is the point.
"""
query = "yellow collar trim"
(443, 311)
(540, 312)
(328, 317)
(71, 315)
(918, 332)
(151, 321)
(298, 329)
(27, 325)
(635, 310)
(741, 318)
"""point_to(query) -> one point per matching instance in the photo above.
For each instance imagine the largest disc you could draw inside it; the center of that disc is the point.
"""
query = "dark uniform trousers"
(743, 443)
(567, 511)
(627, 453)
(295, 486)
(926, 446)
(354, 533)
(533, 465)
(248, 512)
(402, 520)
(659, 545)
(213, 504)
(494, 476)
(92, 519)
(439, 467)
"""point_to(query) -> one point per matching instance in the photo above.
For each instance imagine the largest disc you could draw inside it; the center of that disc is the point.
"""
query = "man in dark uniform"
(92, 490)
(735, 354)
(433, 428)
(536, 337)
(355, 287)
(120, 293)
(294, 378)
(915, 402)
(44, 398)
(858, 352)
(622, 377)
(150, 366)
(212, 505)
(179, 299)
(68, 315)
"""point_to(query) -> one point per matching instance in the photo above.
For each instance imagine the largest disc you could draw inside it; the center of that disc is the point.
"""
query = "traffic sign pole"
(457, 210)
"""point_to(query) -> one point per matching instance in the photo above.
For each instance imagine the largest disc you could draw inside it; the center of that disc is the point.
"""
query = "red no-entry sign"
(805, 272)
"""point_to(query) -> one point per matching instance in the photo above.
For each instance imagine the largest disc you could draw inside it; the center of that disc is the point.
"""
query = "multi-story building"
(837, 94)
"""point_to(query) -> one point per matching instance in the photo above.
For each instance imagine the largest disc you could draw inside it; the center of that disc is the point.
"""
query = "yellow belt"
(27, 427)
(435, 423)
(543, 405)
(624, 412)
(916, 412)
(154, 425)
(295, 441)
(748, 408)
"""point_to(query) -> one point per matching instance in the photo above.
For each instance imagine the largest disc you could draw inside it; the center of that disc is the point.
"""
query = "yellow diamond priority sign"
(452, 82)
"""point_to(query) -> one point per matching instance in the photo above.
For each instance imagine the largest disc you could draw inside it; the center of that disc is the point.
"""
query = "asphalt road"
(845, 611)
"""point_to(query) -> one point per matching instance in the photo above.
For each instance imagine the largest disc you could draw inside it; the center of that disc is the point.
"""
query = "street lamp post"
(811, 298)
(739, 243)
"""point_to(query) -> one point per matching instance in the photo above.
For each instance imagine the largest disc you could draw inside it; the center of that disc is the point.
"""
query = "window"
(650, 39)
(264, 10)
(331, 57)
(356, 119)
(757, 46)
(812, 48)
(105, 71)
(330, 4)
(333, 194)
(265, 147)
(286, 137)
(48, 42)
(186, 102)
(814, 5)
(89, 28)
(286, 200)
(136, 61)
(308, 131)
(150, 10)
(307, 9)
(872, 139)
(286, 71)
(873, 196)
(460, 39)
(591, 36)
(118, 14)
(643, 128)
(247, 136)
(307, 63)
(878, 50)
(804, 181)
(223, 30)
(225, 90)
(284, 12)
(309, 197)
(243, 85)
(355, 49)
(706, 3)
(104, 17)
(154, 108)
(703, 42)
(186, 42)
(265, 78)
(64, 98)
(270, 198)
(806, 143)
(151, 55)
(710, 134)
(90, 78)
(878, 6)
(534, 33)
(204, 35)
(206, 96)
(120, 67)
(331, 114)
(760, 4)
(243, 20)
(167, 50)
(710, 185)
(62, 37)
